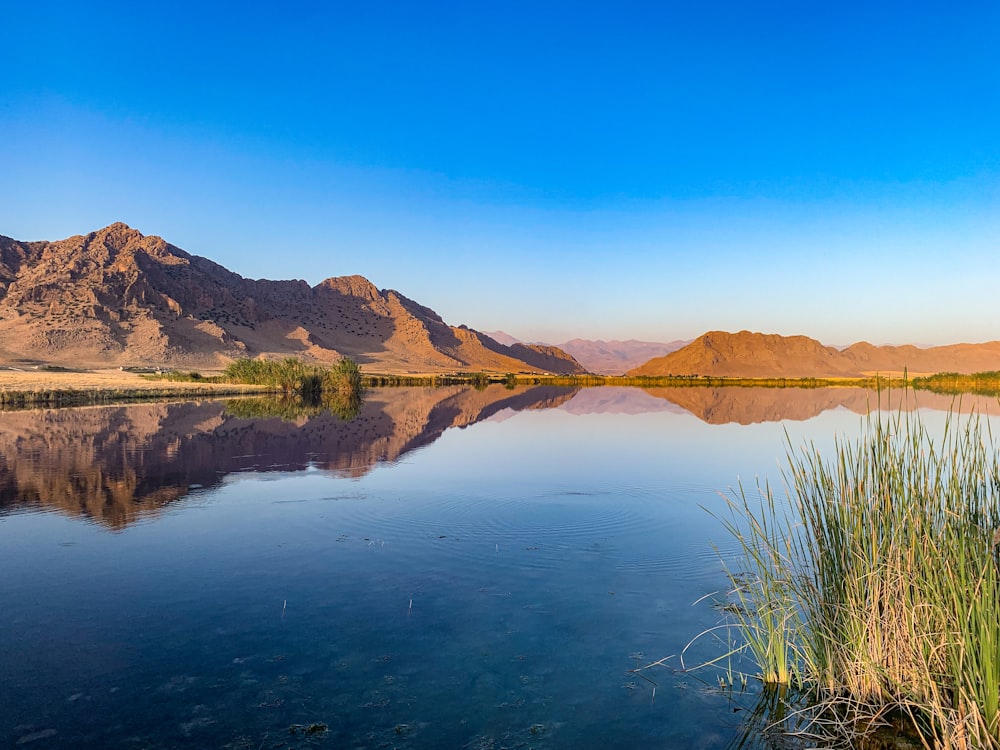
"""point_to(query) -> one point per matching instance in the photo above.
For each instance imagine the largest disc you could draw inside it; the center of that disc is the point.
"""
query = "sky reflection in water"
(399, 581)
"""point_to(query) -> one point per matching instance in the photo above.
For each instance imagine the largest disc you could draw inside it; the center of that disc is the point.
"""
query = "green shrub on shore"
(344, 378)
(180, 376)
(876, 588)
(981, 383)
(293, 376)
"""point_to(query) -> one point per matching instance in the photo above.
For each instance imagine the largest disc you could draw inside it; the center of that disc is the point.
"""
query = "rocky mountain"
(757, 355)
(117, 297)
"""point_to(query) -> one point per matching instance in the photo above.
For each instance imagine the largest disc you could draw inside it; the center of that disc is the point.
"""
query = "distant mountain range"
(606, 357)
(117, 297)
(759, 355)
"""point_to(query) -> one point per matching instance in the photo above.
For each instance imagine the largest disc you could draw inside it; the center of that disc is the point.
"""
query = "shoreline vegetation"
(59, 386)
(871, 591)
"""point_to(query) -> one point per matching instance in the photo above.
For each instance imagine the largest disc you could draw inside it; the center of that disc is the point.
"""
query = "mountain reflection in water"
(117, 464)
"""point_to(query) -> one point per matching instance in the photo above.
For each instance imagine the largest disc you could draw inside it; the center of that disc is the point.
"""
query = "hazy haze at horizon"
(641, 170)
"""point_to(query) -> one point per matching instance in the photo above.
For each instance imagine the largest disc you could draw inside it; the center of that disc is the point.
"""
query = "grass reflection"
(344, 405)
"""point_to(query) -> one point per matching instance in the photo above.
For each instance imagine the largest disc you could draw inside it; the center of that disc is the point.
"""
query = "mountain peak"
(119, 231)
(118, 297)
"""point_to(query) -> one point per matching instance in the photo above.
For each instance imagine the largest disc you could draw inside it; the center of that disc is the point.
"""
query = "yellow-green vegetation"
(58, 397)
(293, 376)
(376, 380)
(346, 406)
(697, 381)
(180, 376)
(876, 588)
(702, 381)
(982, 383)
(305, 389)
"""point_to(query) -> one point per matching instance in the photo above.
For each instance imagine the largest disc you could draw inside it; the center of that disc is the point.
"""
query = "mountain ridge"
(612, 357)
(759, 355)
(118, 297)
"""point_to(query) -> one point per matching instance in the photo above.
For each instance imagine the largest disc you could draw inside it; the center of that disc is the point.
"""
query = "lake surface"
(450, 568)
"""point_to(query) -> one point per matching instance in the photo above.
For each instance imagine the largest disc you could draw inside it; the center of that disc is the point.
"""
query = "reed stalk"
(876, 588)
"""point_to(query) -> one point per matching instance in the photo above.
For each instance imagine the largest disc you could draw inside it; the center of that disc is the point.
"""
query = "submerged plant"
(876, 588)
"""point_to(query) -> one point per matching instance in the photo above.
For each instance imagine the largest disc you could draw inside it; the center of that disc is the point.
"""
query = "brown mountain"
(757, 355)
(117, 297)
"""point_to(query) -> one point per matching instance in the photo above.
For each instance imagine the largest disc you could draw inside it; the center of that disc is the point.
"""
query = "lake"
(449, 568)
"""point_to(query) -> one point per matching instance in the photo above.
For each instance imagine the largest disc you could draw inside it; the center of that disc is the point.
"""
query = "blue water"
(395, 581)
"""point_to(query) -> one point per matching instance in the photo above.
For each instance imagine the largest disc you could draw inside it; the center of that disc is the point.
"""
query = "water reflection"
(753, 405)
(495, 589)
(117, 464)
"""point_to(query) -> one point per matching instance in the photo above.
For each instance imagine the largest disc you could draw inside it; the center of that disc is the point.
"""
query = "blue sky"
(556, 170)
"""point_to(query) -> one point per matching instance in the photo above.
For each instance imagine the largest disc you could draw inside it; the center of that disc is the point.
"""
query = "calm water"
(451, 568)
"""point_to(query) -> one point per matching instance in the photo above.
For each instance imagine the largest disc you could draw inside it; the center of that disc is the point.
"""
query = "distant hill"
(757, 355)
(504, 338)
(117, 297)
(605, 357)
(616, 357)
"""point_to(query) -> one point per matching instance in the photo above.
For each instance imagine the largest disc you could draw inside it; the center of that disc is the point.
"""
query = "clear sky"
(620, 169)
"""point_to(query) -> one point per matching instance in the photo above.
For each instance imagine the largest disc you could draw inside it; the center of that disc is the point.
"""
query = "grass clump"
(293, 376)
(304, 390)
(181, 376)
(876, 588)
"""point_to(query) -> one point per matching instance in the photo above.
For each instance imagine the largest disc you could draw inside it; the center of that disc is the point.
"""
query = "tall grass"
(764, 604)
(293, 376)
(876, 587)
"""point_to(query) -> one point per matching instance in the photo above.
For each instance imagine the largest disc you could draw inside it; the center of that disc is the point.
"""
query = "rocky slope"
(757, 355)
(117, 297)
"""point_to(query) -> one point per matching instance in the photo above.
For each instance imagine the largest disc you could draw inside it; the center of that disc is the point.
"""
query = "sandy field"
(101, 380)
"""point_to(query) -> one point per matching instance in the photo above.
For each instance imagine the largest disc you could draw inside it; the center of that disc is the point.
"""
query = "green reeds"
(876, 588)
(763, 602)
(293, 376)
